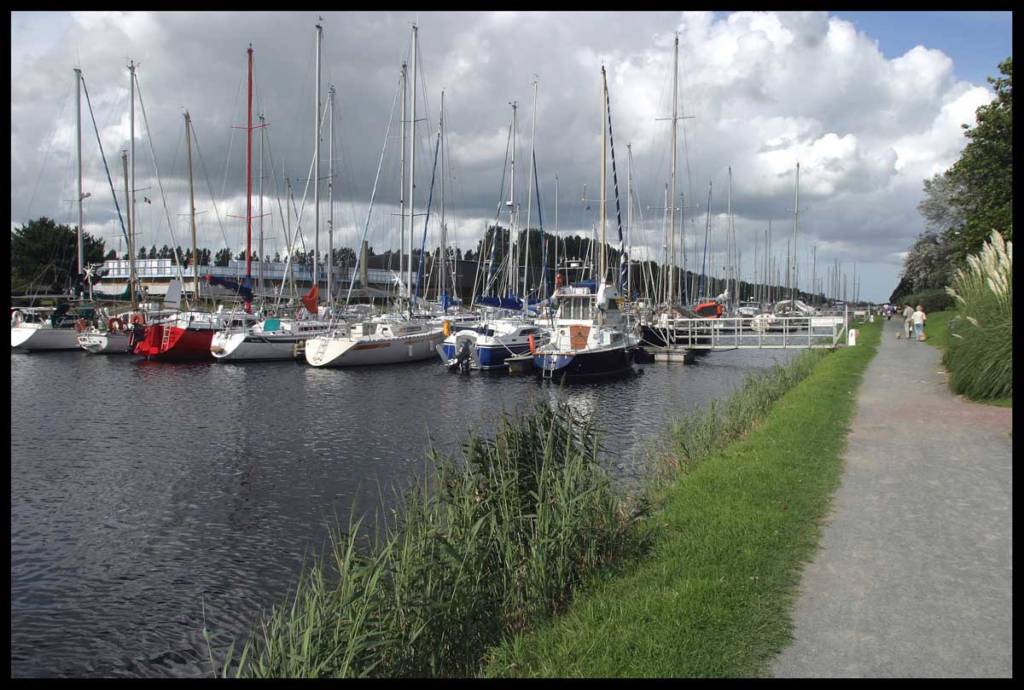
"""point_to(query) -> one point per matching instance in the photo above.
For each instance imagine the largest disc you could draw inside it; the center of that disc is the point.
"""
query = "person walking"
(919, 318)
(908, 320)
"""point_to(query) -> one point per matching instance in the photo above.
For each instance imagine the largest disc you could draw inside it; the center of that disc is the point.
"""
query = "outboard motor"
(464, 357)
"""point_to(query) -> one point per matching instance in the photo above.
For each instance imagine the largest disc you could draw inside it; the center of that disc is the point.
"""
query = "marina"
(367, 343)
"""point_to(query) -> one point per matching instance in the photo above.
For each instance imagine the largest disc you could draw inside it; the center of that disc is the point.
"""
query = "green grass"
(714, 596)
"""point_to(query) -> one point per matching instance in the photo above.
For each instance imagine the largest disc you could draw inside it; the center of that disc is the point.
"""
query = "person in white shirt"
(919, 319)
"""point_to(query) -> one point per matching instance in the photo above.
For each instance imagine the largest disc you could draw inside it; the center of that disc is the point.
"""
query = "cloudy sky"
(869, 104)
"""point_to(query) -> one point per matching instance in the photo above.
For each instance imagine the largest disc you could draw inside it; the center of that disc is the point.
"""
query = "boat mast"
(728, 238)
(259, 251)
(401, 190)
(629, 219)
(412, 167)
(672, 196)
(316, 171)
(330, 197)
(248, 187)
(444, 230)
(131, 235)
(78, 134)
(796, 215)
(556, 225)
(130, 202)
(602, 269)
(192, 207)
(512, 261)
(529, 196)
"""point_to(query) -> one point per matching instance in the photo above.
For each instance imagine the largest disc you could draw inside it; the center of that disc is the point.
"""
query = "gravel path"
(915, 570)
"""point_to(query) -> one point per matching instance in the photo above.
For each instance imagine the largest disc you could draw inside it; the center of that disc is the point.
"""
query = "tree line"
(963, 205)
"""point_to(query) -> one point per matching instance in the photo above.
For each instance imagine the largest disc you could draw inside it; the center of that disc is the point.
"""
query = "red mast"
(248, 179)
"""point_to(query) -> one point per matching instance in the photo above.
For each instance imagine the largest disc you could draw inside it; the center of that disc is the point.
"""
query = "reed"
(477, 550)
(980, 352)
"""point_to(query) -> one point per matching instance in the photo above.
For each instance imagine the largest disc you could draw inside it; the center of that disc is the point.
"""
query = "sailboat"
(56, 328)
(590, 335)
(275, 337)
(506, 330)
(398, 336)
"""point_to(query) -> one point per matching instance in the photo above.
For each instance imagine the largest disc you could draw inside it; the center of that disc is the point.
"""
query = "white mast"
(728, 239)
(192, 208)
(130, 201)
(556, 225)
(263, 258)
(796, 215)
(316, 171)
(529, 195)
(131, 235)
(512, 260)
(412, 166)
(672, 196)
(444, 229)
(330, 202)
(629, 219)
(78, 133)
(602, 269)
(401, 191)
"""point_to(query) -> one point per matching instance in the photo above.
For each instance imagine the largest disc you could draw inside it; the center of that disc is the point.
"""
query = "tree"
(937, 207)
(142, 253)
(982, 179)
(223, 257)
(44, 255)
(111, 255)
(928, 264)
(277, 257)
(153, 252)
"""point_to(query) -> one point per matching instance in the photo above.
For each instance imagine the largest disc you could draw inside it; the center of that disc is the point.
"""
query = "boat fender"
(446, 328)
(80, 325)
(115, 325)
(533, 343)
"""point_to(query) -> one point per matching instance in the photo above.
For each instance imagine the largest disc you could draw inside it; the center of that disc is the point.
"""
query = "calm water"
(143, 494)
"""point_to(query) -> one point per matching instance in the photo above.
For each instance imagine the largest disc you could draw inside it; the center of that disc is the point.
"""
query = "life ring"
(81, 325)
(115, 324)
(138, 318)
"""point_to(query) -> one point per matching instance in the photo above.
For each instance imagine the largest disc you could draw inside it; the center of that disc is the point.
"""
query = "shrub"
(932, 300)
(980, 353)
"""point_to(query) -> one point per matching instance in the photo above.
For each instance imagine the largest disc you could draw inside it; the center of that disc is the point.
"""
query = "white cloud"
(767, 89)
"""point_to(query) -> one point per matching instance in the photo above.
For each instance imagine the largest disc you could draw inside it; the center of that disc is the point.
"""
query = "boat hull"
(182, 345)
(584, 364)
(491, 357)
(104, 343)
(242, 347)
(31, 338)
(352, 352)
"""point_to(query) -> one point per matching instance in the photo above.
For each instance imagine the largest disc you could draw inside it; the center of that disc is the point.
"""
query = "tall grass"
(477, 551)
(980, 353)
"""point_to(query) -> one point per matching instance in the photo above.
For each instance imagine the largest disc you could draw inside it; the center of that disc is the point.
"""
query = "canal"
(149, 500)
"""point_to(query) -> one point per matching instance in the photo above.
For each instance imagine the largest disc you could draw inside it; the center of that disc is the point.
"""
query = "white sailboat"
(395, 337)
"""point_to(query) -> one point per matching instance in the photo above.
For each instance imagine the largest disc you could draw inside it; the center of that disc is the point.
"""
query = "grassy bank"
(713, 597)
(485, 548)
